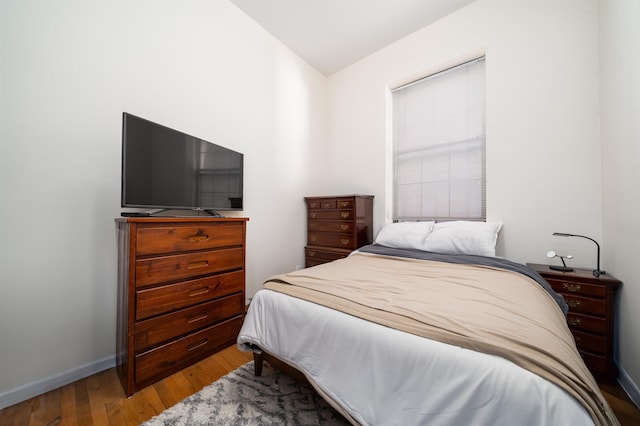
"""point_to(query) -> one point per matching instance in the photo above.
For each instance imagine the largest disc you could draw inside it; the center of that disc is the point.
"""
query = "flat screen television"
(166, 169)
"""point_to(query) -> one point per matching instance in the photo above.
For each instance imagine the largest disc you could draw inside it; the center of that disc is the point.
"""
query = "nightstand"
(591, 314)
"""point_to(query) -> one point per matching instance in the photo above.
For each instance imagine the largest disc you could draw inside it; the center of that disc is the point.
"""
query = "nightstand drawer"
(324, 255)
(172, 268)
(573, 287)
(331, 226)
(158, 300)
(585, 304)
(586, 323)
(165, 327)
(597, 364)
(171, 239)
(331, 240)
(590, 342)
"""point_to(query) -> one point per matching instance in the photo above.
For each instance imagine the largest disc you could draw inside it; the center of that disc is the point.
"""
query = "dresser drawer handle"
(344, 204)
(313, 239)
(197, 318)
(312, 254)
(199, 264)
(344, 215)
(197, 345)
(344, 227)
(198, 238)
(574, 321)
(571, 287)
(313, 225)
(344, 241)
(577, 339)
(313, 205)
(198, 291)
(573, 303)
(327, 205)
(313, 215)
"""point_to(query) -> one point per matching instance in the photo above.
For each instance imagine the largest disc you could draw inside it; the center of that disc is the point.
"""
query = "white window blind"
(439, 145)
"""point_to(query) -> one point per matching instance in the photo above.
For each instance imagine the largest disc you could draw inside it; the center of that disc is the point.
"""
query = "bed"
(428, 328)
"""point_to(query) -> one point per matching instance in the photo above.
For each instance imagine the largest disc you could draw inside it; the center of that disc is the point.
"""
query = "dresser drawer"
(573, 287)
(170, 239)
(586, 323)
(330, 214)
(164, 360)
(590, 342)
(330, 226)
(176, 267)
(585, 305)
(156, 330)
(331, 240)
(158, 300)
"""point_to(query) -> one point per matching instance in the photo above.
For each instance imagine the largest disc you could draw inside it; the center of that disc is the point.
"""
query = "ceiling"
(333, 34)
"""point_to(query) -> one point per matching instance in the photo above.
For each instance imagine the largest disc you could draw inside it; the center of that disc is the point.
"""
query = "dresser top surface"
(581, 274)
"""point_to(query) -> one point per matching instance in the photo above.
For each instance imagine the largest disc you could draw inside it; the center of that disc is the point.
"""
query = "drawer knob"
(198, 238)
(344, 204)
(571, 286)
(573, 303)
(313, 238)
(312, 254)
(313, 205)
(313, 215)
(574, 321)
(344, 215)
(327, 205)
(313, 226)
(577, 338)
(199, 264)
(344, 241)
(344, 227)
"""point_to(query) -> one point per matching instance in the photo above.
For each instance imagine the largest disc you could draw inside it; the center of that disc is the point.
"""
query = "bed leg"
(257, 363)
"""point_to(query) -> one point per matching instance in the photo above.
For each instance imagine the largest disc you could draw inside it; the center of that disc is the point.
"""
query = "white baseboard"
(39, 387)
(629, 386)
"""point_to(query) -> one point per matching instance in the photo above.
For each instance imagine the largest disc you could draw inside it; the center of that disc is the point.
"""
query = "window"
(439, 145)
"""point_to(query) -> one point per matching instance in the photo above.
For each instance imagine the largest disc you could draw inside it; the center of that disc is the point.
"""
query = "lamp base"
(561, 268)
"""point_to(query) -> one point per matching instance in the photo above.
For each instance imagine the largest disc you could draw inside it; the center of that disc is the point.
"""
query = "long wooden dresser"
(337, 225)
(181, 293)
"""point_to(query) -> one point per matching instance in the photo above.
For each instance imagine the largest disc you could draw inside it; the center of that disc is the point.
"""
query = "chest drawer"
(590, 342)
(572, 287)
(586, 323)
(173, 356)
(177, 267)
(169, 239)
(158, 300)
(585, 305)
(331, 240)
(156, 330)
(331, 226)
(331, 214)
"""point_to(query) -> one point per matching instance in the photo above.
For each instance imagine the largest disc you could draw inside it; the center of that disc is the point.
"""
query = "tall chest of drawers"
(181, 293)
(337, 225)
(591, 314)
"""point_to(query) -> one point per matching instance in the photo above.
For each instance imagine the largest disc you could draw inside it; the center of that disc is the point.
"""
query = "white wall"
(544, 144)
(620, 94)
(68, 70)
(543, 132)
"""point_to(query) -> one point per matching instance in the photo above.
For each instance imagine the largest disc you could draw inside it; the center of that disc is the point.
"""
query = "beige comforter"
(476, 307)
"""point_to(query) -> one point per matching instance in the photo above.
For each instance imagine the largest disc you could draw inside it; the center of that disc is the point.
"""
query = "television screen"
(167, 169)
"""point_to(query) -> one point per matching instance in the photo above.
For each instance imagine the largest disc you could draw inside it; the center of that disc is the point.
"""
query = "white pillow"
(409, 235)
(462, 237)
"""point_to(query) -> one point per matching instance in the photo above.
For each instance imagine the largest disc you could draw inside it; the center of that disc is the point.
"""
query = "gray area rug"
(241, 398)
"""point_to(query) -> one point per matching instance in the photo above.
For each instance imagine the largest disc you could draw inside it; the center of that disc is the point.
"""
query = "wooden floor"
(100, 400)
